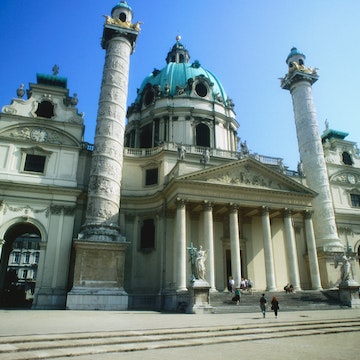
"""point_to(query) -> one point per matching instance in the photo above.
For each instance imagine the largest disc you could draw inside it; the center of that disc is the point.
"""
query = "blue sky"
(243, 42)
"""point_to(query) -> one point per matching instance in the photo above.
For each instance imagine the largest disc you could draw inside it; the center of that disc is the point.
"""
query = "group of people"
(274, 305)
(289, 288)
(245, 284)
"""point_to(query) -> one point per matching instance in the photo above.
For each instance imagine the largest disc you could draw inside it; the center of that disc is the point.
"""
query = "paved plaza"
(335, 345)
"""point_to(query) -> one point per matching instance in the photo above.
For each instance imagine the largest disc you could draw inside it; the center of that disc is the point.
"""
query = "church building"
(110, 225)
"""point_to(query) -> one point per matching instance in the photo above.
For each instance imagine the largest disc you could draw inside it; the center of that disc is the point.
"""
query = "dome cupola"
(181, 103)
(122, 11)
(178, 53)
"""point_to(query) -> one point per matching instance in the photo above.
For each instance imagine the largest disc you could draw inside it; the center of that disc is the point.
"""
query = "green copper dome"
(122, 4)
(182, 78)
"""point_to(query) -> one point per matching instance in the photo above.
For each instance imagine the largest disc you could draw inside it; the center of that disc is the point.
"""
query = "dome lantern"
(178, 54)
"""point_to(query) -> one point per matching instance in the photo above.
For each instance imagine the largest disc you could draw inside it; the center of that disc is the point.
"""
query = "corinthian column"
(180, 246)
(292, 260)
(268, 250)
(312, 253)
(235, 244)
(209, 243)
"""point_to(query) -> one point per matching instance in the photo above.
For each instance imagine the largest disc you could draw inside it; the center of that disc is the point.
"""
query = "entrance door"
(18, 266)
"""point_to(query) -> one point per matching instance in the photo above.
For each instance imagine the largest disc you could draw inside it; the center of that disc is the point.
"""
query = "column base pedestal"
(349, 294)
(97, 299)
(199, 298)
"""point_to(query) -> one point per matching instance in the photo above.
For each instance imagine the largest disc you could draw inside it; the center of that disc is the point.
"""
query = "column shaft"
(180, 247)
(290, 245)
(312, 156)
(268, 251)
(235, 246)
(106, 167)
(209, 244)
(312, 253)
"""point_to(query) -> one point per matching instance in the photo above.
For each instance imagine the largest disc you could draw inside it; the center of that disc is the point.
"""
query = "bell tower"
(298, 81)
(100, 247)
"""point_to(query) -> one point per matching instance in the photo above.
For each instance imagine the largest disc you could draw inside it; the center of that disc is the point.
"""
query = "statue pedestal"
(98, 276)
(349, 294)
(199, 298)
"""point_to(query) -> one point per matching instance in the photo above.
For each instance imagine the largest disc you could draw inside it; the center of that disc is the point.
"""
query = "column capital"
(234, 207)
(264, 210)
(308, 214)
(287, 212)
(208, 205)
(180, 203)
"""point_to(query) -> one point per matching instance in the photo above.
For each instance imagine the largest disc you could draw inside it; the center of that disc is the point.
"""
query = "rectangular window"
(34, 163)
(16, 258)
(355, 200)
(151, 177)
(27, 258)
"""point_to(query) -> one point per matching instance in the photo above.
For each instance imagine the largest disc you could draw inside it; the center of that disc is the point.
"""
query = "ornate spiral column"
(209, 243)
(106, 167)
(312, 253)
(180, 246)
(298, 81)
(235, 244)
(290, 245)
(268, 250)
(100, 247)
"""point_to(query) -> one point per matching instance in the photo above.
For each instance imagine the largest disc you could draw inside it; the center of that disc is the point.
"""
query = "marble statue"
(345, 268)
(201, 256)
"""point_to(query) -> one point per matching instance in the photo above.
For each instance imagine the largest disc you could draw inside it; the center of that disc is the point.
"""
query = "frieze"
(106, 149)
(61, 209)
(38, 135)
(346, 177)
(104, 210)
(103, 185)
(247, 177)
(106, 166)
(24, 209)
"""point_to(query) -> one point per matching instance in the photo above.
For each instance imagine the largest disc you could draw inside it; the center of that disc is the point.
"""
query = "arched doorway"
(18, 265)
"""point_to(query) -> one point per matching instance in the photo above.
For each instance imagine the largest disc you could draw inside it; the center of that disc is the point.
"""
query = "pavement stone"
(329, 346)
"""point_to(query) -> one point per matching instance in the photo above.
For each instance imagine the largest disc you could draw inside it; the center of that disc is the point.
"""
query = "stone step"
(91, 343)
(305, 300)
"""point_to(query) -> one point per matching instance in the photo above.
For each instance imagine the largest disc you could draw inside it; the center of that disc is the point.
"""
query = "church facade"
(115, 220)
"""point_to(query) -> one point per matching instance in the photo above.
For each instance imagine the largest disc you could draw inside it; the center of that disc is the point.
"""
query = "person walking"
(237, 296)
(275, 305)
(263, 304)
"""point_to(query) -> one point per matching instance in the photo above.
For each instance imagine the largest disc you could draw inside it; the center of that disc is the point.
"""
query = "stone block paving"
(322, 334)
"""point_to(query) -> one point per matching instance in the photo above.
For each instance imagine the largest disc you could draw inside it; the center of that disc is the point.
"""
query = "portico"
(230, 217)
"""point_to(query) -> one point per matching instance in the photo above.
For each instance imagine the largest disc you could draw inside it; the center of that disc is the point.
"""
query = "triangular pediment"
(246, 173)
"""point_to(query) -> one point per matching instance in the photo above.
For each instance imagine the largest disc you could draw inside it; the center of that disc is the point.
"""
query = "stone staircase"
(94, 345)
(302, 300)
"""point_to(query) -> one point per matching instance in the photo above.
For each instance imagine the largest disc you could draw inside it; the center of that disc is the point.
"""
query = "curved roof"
(175, 75)
(294, 51)
(122, 4)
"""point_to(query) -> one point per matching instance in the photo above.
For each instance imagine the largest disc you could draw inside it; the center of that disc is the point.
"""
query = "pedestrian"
(231, 284)
(275, 306)
(263, 304)
(237, 296)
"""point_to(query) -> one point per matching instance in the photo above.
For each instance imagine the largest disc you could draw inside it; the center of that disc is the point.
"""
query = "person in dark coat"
(275, 306)
(263, 304)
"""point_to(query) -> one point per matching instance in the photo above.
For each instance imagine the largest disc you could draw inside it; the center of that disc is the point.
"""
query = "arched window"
(45, 109)
(203, 135)
(346, 158)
